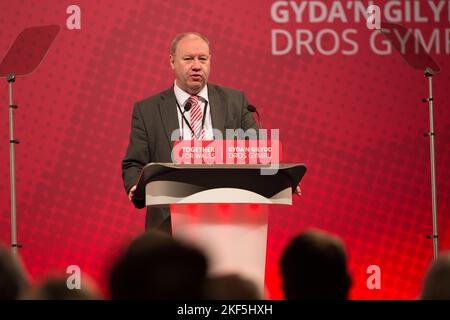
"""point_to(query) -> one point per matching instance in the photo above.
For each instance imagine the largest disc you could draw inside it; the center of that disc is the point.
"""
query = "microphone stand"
(429, 74)
(253, 109)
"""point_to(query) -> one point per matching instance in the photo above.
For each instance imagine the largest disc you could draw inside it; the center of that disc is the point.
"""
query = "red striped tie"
(196, 118)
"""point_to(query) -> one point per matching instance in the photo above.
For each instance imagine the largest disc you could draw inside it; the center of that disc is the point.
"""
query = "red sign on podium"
(227, 152)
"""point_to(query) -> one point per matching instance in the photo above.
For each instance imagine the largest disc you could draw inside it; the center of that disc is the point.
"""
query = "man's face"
(191, 64)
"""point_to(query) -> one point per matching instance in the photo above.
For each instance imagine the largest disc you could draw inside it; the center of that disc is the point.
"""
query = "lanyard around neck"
(187, 122)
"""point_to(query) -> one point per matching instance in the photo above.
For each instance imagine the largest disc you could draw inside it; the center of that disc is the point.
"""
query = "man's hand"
(298, 191)
(131, 193)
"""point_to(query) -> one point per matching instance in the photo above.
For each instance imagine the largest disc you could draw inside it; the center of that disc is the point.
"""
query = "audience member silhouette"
(314, 266)
(230, 287)
(56, 288)
(13, 278)
(156, 266)
(436, 284)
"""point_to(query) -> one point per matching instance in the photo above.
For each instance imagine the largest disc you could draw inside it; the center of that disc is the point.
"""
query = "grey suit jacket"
(155, 118)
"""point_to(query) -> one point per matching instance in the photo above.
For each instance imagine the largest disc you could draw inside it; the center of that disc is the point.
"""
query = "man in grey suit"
(156, 118)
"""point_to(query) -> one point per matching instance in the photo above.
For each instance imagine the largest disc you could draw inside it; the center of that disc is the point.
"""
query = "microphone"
(187, 106)
(252, 109)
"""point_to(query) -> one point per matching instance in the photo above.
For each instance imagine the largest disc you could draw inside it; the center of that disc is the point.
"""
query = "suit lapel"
(218, 110)
(168, 111)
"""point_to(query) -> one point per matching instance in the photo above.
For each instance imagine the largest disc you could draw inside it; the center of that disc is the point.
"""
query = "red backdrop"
(356, 120)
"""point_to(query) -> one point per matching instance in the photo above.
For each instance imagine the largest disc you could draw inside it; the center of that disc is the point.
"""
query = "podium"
(221, 209)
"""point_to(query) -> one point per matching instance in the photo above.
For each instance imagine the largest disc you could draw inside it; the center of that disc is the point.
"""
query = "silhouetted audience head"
(156, 266)
(57, 288)
(436, 285)
(13, 278)
(314, 266)
(230, 287)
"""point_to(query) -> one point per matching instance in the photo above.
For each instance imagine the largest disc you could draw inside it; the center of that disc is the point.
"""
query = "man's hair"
(183, 35)
(230, 286)
(313, 266)
(436, 284)
(13, 277)
(55, 287)
(156, 266)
